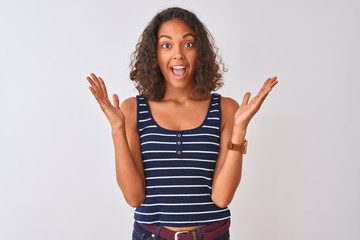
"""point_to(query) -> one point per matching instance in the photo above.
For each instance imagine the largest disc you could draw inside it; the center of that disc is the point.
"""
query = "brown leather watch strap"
(238, 147)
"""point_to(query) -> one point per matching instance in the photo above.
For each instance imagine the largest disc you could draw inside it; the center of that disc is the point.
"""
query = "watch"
(238, 147)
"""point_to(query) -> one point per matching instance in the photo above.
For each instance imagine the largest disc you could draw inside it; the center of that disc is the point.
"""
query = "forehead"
(174, 27)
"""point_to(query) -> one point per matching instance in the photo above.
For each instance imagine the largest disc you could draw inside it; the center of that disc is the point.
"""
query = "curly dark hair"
(146, 73)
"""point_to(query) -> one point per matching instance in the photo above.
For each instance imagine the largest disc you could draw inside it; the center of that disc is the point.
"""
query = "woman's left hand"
(247, 110)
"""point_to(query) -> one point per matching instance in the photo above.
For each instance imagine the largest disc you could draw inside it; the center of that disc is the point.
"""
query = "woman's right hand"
(112, 112)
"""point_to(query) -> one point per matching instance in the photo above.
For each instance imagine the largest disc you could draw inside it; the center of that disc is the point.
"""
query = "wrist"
(240, 126)
(117, 129)
(238, 135)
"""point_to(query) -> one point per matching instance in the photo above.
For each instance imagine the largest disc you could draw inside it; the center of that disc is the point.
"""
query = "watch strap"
(238, 147)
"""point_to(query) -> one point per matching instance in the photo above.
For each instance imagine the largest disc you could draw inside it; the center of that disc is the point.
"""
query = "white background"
(300, 178)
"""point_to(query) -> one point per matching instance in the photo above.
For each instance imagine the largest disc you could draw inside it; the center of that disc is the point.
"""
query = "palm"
(112, 112)
(248, 109)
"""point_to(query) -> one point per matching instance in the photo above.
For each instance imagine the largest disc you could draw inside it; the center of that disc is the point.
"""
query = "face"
(176, 53)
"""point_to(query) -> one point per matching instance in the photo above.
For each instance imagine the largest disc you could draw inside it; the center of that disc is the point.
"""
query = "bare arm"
(129, 168)
(227, 174)
(128, 162)
(228, 168)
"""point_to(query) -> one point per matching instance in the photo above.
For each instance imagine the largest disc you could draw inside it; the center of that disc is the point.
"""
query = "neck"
(178, 94)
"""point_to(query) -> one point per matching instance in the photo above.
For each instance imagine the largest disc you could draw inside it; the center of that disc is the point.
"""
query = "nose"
(178, 54)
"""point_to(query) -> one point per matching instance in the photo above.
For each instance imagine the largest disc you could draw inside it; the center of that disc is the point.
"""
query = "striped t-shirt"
(179, 166)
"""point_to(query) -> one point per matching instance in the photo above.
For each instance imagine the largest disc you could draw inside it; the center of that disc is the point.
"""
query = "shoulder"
(129, 109)
(228, 104)
(128, 104)
(228, 108)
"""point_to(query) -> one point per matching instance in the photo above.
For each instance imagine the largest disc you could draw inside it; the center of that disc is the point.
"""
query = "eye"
(165, 45)
(189, 44)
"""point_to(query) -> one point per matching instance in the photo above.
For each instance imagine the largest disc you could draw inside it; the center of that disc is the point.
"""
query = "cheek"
(193, 58)
(162, 64)
(161, 60)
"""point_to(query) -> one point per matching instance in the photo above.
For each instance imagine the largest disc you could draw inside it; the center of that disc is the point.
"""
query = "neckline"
(186, 130)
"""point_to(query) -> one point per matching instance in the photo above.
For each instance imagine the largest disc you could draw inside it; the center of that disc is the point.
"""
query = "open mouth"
(178, 71)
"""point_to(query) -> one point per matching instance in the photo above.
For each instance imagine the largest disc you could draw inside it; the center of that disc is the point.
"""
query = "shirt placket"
(179, 144)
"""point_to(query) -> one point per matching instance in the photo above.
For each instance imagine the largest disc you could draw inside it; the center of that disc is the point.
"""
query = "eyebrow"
(188, 34)
(166, 36)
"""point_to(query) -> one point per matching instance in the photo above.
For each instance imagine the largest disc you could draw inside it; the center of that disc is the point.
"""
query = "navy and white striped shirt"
(179, 167)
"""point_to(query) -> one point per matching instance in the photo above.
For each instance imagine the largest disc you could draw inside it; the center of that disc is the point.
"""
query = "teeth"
(178, 67)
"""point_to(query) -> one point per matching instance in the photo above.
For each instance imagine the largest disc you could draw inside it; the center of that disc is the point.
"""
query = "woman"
(178, 147)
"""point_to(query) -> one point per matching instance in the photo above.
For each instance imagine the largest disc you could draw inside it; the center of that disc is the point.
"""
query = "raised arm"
(227, 174)
(128, 162)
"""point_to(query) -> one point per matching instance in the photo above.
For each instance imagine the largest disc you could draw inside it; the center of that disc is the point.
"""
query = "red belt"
(209, 232)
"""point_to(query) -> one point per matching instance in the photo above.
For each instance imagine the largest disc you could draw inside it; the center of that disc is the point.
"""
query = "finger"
(94, 93)
(260, 97)
(264, 91)
(96, 80)
(91, 81)
(246, 99)
(272, 79)
(270, 85)
(94, 89)
(264, 86)
(267, 82)
(103, 87)
(91, 89)
(273, 83)
(116, 101)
